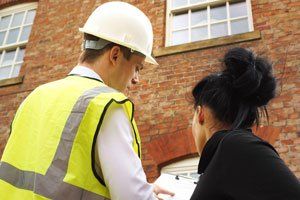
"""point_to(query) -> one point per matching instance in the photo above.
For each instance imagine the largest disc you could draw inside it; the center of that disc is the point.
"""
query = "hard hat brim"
(149, 58)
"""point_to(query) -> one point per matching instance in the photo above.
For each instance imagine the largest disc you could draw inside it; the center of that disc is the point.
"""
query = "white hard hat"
(123, 24)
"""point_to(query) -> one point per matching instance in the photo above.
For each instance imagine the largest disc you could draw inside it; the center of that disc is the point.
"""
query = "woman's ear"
(200, 112)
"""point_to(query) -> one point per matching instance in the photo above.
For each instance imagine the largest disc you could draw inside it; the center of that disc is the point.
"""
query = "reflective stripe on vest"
(43, 184)
(51, 185)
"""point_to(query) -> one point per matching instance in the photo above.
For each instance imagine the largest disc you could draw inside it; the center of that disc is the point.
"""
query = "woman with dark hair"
(234, 163)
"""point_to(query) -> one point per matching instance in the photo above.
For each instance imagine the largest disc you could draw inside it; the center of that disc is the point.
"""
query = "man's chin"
(128, 87)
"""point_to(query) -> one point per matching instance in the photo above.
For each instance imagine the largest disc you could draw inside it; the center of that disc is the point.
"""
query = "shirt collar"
(209, 150)
(86, 72)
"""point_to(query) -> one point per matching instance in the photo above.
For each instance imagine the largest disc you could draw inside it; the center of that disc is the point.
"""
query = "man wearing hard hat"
(76, 138)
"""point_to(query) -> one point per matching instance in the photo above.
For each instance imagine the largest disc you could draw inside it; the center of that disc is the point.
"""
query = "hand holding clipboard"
(182, 186)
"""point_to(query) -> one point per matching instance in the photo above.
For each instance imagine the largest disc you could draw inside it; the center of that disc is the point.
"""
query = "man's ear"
(114, 54)
(200, 112)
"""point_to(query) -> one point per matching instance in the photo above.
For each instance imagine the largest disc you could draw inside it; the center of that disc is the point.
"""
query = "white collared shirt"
(85, 71)
(121, 167)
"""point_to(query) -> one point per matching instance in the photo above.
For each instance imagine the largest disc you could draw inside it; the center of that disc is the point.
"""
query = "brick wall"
(163, 111)
(7, 3)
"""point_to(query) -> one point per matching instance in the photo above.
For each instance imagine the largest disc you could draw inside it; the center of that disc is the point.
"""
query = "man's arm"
(121, 167)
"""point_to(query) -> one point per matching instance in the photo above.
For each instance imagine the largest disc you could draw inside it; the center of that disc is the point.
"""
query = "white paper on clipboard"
(181, 186)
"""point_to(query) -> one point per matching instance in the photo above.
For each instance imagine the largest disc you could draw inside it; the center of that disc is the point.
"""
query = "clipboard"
(183, 187)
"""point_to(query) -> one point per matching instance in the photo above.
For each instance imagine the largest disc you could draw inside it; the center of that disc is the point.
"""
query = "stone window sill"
(255, 35)
(11, 81)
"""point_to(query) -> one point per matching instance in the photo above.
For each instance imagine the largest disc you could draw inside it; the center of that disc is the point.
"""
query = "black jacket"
(238, 165)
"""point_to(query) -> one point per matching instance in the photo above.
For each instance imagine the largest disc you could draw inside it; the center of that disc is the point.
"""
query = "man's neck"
(98, 68)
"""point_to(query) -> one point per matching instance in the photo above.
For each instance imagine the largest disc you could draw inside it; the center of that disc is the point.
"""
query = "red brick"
(287, 142)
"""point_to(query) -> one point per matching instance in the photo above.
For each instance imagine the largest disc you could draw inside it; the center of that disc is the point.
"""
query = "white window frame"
(207, 4)
(12, 10)
(186, 166)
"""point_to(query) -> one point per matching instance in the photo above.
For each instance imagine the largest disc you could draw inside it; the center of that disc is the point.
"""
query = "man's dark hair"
(90, 55)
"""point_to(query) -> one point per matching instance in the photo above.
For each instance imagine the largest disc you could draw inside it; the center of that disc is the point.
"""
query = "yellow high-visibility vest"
(50, 152)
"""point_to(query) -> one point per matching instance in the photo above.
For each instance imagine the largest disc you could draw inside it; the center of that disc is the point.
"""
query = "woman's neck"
(215, 127)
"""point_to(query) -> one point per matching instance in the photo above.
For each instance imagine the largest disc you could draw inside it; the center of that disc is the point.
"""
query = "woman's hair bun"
(251, 77)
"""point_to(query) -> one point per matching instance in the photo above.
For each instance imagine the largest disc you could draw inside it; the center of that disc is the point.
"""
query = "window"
(187, 167)
(15, 28)
(195, 20)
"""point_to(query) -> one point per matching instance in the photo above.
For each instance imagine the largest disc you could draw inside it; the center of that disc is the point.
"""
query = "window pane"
(199, 33)
(197, 1)
(238, 9)
(2, 35)
(218, 13)
(25, 33)
(4, 72)
(4, 22)
(180, 21)
(218, 30)
(17, 20)
(12, 36)
(16, 70)
(199, 17)
(178, 3)
(8, 58)
(180, 37)
(30, 17)
(239, 26)
(20, 55)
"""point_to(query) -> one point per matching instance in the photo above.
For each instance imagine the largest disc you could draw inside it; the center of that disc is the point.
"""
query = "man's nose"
(135, 79)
